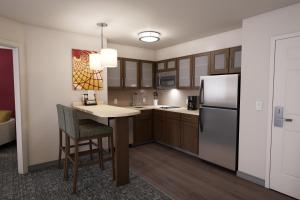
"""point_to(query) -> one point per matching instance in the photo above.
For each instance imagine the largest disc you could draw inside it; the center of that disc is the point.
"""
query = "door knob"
(288, 120)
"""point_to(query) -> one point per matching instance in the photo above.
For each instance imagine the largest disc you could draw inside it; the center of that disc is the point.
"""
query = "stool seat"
(86, 121)
(92, 129)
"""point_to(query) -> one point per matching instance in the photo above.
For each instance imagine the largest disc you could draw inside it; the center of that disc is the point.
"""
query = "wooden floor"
(186, 178)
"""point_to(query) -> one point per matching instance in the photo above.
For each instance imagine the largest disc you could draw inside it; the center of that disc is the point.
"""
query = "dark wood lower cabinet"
(173, 129)
(189, 133)
(177, 130)
(159, 126)
(142, 128)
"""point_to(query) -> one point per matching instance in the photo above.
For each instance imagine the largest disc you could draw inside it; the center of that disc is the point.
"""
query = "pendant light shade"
(95, 61)
(109, 58)
(106, 57)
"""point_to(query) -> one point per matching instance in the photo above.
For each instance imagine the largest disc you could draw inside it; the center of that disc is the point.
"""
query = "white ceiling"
(177, 20)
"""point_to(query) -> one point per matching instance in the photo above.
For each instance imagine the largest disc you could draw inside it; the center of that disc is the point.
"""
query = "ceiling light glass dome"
(149, 36)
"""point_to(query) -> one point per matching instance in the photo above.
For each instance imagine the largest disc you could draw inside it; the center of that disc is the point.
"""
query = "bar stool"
(62, 128)
(82, 132)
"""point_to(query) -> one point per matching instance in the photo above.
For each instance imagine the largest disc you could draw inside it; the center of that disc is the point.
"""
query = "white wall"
(133, 52)
(12, 35)
(214, 42)
(49, 75)
(257, 33)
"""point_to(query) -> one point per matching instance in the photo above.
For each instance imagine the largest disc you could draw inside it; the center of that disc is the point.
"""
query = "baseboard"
(251, 178)
(44, 165)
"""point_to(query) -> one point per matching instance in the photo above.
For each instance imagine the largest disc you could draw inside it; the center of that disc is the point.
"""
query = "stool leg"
(108, 144)
(60, 148)
(75, 167)
(100, 153)
(91, 149)
(67, 153)
(113, 157)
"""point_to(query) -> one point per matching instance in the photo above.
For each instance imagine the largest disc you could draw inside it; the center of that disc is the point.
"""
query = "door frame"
(21, 138)
(270, 102)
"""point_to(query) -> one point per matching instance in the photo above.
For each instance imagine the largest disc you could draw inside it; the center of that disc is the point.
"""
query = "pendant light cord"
(101, 37)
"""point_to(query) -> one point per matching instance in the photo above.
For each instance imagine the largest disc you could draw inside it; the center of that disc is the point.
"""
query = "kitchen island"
(121, 128)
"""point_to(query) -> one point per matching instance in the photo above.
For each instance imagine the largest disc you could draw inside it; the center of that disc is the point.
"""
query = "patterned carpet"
(47, 183)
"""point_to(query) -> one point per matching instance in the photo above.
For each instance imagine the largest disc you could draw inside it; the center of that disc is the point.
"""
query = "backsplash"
(172, 97)
(124, 97)
(175, 97)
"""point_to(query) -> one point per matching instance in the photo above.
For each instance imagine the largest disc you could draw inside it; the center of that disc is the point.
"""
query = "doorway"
(284, 144)
(22, 164)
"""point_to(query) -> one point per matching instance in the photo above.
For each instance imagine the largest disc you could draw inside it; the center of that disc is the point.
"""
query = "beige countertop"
(178, 110)
(107, 111)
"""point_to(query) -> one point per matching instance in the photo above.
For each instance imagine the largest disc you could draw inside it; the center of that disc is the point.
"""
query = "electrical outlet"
(144, 99)
(115, 101)
(259, 105)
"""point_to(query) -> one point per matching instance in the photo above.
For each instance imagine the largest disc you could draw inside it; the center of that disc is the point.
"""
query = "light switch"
(259, 105)
(115, 101)
(144, 99)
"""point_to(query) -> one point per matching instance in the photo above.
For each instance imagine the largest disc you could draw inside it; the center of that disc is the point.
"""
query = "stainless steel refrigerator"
(218, 120)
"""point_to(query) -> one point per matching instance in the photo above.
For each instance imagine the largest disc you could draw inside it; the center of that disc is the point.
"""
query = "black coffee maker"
(193, 102)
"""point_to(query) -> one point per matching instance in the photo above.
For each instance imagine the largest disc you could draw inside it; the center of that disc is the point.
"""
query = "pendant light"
(106, 57)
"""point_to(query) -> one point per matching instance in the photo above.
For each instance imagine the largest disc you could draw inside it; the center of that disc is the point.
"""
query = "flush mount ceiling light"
(149, 36)
(106, 57)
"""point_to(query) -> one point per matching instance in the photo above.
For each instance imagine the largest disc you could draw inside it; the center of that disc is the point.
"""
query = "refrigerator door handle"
(202, 92)
(200, 121)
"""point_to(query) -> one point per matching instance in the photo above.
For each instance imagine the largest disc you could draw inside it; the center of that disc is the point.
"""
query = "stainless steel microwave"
(166, 80)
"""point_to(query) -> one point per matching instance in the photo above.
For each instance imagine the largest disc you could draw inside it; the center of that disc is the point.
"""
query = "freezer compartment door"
(220, 91)
(218, 136)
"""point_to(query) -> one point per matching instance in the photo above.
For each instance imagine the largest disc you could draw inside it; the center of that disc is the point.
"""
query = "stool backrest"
(61, 117)
(71, 122)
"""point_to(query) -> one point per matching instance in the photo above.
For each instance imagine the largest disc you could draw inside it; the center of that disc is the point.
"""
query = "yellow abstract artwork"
(83, 77)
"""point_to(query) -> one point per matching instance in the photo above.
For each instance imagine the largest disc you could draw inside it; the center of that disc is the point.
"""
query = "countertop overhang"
(108, 111)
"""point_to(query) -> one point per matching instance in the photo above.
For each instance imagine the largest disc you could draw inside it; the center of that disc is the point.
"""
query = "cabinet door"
(184, 72)
(171, 64)
(158, 126)
(161, 66)
(114, 79)
(131, 73)
(142, 128)
(189, 133)
(219, 61)
(201, 67)
(147, 74)
(235, 59)
(173, 129)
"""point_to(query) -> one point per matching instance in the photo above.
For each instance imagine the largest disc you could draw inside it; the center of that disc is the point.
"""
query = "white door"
(285, 150)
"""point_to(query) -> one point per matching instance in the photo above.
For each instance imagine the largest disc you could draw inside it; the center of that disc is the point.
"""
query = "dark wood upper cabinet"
(171, 64)
(131, 73)
(235, 59)
(184, 72)
(114, 75)
(161, 66)
(147, 74)
(201, 67)
(219, 61)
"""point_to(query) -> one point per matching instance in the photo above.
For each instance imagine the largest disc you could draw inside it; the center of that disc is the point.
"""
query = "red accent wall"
(7, 98)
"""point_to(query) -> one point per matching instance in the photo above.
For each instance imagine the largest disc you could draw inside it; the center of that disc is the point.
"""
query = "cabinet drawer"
(189, 118)
(145, 114)
(158, 114)
(173, 115)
